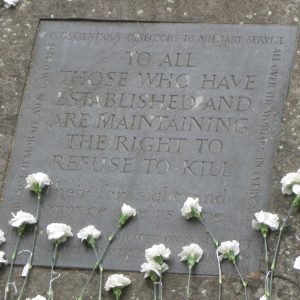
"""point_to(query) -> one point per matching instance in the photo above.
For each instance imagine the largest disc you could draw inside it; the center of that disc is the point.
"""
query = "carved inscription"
(148, 116)
(162, 108)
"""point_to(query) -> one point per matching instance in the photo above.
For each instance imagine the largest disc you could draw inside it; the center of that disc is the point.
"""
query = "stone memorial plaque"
(149, 114)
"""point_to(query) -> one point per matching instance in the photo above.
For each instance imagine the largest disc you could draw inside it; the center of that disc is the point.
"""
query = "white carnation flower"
(228, 249)
(59, 231)
(264, 297)
(117, 281)
(152, 266)
(88, 232)
(192, 252)
(10, 3)
(38, 297)
(22, 218)
(191, 208)
(297, 263)
(288, 181)
(296, 189)
(128, 211)
(2, 260)
(2, 237)
(37, 180)
(159, 251)
(265, 218)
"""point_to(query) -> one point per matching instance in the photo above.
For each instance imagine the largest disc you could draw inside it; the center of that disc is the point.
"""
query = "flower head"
(126, 212)
(157, 253)
(2, 260)
(265, 221)
(38, 297)
(2, 237)
(192, 253)
(153, 270)
(37, 181)
(229, 250)
(264, 297)
(116, 282)
(297, 263)
(288, 181)
(89, 234)
(59, 232)
(191, 208)
(10, 3)
(296, 189)
(21, 219)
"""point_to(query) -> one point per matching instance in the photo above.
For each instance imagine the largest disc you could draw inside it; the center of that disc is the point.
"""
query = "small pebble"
(296, 19)
(270, 12)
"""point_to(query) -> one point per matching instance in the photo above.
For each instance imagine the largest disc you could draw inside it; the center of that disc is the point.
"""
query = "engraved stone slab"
(149, 114)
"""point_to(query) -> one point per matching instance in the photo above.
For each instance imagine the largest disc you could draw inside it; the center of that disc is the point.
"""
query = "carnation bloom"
(192, 253)
(288, 181)
(2, 237)
(10, 3)
(297, 263)
(229, 250)
(116, 281)
(88, 232)
(265, 219)
(37, 181)
(191, 208)
(152, 266)
(38, 297)
(22, 218)
(2, 260)
(264, 297)
(59, 232)
(157, 252)
(126, 212)
(296, 189)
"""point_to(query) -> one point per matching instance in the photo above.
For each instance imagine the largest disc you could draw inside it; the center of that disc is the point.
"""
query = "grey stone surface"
(149, 114)
(18, 29)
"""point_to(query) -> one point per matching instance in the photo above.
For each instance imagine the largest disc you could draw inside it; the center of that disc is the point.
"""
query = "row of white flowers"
(155, 256)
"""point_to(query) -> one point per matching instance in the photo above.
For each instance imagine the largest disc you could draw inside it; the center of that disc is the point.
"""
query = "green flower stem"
(220, 277)
(100, 274)
(273, 266)
(242, 279)
(35, 230)
(99, 261)
(157, 286)
(267, 265)
(13, 258)
(188, 285)
(50, 290)
(208, 231)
